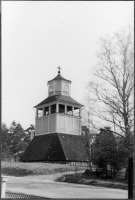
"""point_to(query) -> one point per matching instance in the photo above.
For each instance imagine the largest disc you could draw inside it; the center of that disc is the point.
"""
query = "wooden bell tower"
(58, 127)
(58, 113)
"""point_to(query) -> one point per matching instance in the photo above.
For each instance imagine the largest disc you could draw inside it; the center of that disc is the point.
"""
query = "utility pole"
(89, 143)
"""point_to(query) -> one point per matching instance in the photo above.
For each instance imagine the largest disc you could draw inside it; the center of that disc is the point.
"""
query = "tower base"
(56, 147)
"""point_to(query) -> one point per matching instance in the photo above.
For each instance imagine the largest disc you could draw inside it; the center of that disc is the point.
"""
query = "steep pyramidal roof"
(73, 147)
(63, 98)
(59, 77)
(55, 147)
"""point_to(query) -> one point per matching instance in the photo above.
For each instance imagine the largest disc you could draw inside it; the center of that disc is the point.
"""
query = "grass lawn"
(80, 178)
(23, 169)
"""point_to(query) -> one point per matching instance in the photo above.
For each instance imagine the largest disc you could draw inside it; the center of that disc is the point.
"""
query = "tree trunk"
(90, 166)
(114, 171)
(106, 172)
(126, 174)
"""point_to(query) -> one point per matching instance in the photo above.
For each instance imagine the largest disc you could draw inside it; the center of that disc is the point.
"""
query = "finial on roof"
(59, 69)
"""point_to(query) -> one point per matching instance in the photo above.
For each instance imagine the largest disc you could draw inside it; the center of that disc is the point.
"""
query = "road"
(45, 186)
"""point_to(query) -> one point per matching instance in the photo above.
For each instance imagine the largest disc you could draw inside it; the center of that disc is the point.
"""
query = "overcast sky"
(38, 36)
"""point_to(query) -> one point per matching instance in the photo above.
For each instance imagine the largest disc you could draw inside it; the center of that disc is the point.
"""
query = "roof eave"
(70, 102)
(75, 104)
(56, 98)
(59, 79)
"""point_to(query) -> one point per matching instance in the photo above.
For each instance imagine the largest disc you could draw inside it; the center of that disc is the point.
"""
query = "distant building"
(58, 134)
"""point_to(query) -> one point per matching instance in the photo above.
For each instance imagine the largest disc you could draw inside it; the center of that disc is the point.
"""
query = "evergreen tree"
(14, 140)
(104, 149)
(16, 135)
(30, 133)
(122, 153)
(5, 151)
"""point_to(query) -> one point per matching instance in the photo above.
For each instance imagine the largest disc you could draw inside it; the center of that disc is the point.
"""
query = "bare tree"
(87, 133)
(112, 89)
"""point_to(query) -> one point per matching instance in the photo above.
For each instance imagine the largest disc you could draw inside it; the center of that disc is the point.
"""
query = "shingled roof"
(55, 147)
(63, 98)
(59, 77)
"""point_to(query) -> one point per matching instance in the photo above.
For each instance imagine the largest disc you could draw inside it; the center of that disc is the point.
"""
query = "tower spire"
(59, 69)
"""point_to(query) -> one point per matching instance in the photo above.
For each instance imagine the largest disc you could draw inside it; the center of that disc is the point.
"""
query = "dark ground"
(80, 178)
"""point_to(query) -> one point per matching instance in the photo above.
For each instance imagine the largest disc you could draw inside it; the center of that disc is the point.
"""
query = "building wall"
(58, 86)
(60, 123)
(77, 126)
(45, 124)
(38, 128)
(65, 124)
(52, 123)
(62, 88)
(69, 124)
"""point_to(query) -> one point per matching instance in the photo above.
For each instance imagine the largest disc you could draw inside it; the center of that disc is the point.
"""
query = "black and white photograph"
(67, 128)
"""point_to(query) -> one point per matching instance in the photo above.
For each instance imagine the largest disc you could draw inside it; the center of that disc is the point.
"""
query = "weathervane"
(59, 69)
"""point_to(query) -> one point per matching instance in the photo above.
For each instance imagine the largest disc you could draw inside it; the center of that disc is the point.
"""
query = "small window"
(40, 112)
(61, 108)
(46, 111)
(53, 109)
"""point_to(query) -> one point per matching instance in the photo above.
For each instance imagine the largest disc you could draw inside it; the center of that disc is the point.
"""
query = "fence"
(8, 158)
(11, 158)
(10, 195)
